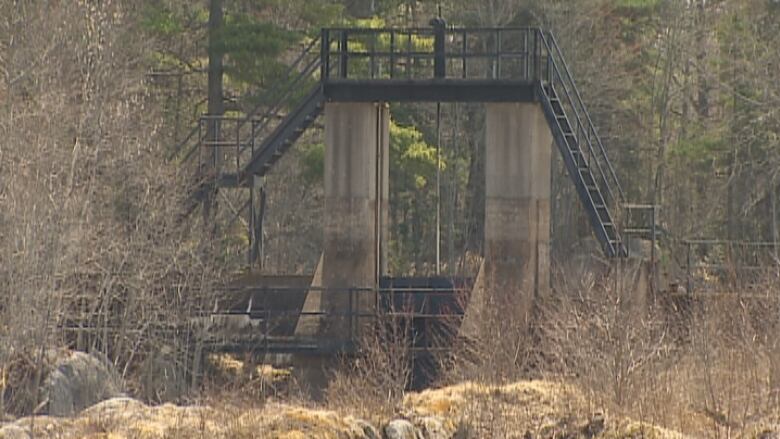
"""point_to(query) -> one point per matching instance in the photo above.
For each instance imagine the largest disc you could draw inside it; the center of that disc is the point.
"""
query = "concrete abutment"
(355, 228)
(515, 271)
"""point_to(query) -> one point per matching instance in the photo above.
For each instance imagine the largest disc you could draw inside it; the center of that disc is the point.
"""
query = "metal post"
(409, 55)
(463, 55)
(392, 54)
(250, 254)
(200, 141)
(267, 319)
(439, 58)
(343, 54)
(497, 72)
(550, 70)
(537, 58)
(372, 56)
(324, 54)
(352, 315)
(653, 266)
(689, 286)
(526, 68)
(238, 149)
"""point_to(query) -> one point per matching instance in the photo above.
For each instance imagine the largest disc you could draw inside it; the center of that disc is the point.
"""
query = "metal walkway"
(420, 64)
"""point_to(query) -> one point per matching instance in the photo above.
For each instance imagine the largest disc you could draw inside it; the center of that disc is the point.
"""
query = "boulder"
(164, 378)
(432, 427)
(400, 429)
(369, 431)
(77, 381)
(12, 431)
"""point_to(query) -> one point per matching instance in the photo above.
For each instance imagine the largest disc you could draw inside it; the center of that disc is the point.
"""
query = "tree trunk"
(211, 156)
(773, 204)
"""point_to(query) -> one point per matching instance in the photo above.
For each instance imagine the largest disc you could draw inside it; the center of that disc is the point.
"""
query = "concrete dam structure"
(532, 107)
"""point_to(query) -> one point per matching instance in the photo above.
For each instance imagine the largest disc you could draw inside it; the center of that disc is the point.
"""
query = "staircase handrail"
(556, 73)
(244, 169)
(273, 111)
(591, 126)
(267, 94)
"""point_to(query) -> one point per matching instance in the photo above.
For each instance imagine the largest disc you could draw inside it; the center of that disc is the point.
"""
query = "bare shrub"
(713, 381)
(372, 384)
(601, 332)
(92, 252)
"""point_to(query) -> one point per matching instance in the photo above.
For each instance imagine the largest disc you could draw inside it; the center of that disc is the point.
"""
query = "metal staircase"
(238, 149)
(583, 152)
(249, 146)
(273, 147)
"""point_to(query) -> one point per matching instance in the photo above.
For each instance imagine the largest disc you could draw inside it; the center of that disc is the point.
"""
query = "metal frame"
(516, 64)
(729, 258)
(399, 303)
(431, 64)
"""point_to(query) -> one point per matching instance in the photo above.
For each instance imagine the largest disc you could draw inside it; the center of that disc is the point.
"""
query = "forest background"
(96, 95)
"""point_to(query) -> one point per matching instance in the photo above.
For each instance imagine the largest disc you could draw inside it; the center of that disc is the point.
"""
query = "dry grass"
(707, 370)
(373, 384)
(538, 409)
(130, 419)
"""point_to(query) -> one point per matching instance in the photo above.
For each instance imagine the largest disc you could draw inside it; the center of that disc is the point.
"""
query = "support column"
(355, 219)
(516, 267)
(383, 154)
(355, 226)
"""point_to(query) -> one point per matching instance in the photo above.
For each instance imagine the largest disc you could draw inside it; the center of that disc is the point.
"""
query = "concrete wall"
(356, 215)
(516, 266)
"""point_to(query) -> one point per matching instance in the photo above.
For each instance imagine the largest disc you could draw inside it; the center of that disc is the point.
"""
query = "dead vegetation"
(92, 253)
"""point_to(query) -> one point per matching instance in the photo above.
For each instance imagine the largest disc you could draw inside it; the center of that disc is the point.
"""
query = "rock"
(431, 427)
(369, 431)
(163, 377)
(78, 381)
(13, 432)
(114, 407)
(400, 429)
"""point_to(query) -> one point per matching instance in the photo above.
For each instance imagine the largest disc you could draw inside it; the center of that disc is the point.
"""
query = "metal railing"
(718, 266)
(271, 318)
(431, 53)
(271, 102)
(557, 75)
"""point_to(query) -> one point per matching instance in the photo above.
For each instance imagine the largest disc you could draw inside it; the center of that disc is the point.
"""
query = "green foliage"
(313, 163)
(698, 149)
(638, 5)
(161, 20)
(411, 159)
(252, 47)
(414, 158)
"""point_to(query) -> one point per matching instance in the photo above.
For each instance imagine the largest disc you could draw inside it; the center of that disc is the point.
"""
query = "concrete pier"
(354, 143)
(355, 226)
(516, 267)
